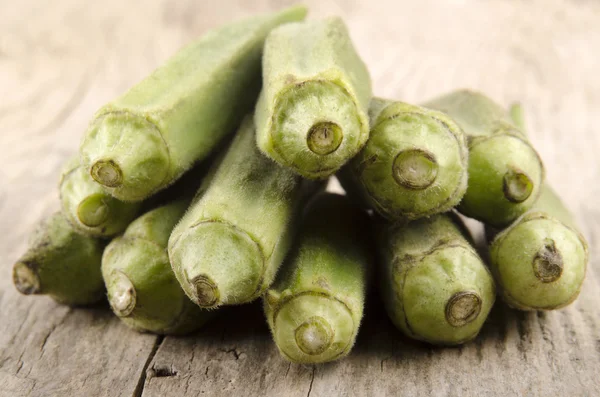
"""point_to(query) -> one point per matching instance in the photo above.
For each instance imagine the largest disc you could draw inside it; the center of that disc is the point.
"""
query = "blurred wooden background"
(61, 60)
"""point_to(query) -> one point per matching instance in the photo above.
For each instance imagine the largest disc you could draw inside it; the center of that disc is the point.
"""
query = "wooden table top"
(61, 60)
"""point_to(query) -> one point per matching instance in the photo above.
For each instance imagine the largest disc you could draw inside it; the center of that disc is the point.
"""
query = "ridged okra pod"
(539, 262)
(90, 208)
(142, 288)
(61, 263)
(144, 140)
(315, 306)
(434, 285)
(414, 163)
(311, 115)
(505, 171)
(233, 238)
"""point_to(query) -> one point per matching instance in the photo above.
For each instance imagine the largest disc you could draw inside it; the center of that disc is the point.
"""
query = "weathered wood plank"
(60, 61)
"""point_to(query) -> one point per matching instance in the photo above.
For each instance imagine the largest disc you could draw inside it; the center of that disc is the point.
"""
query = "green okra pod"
(234, 236)
(142, 288)
(88, 207)
(414, 163)
(505, 171)
(435, 286)
(311, 115)
(539, 261)
(144, 140)
(315, 306)
(61, 263)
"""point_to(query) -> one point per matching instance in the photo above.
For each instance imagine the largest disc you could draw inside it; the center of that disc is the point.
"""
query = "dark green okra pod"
(142, 288)
(233, 238)
(539, 261)
(505, 172)
(434, 285)
(312, 113)
(88, 207)
(414, 163)
(61, 263)
(315, 306)
(144, 140)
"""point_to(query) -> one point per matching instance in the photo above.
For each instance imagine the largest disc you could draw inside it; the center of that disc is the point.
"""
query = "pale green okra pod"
(144, 140)
(539, 262)
(311, 115)
(414, 163)
(505, 171)
(315, 306)
(61, 263)
(89, 207)
(435, 287)
(142, 288)
(230, 243)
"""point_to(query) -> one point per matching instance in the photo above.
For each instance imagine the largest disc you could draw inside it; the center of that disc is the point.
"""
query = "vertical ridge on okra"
(311, 115)
(88, 207)
(505, 172)
(540, 260)
(315, 306)
(145, 139)
(61, 263)
(142, 288)
(435, 287)
(414, 163)
(231, 241)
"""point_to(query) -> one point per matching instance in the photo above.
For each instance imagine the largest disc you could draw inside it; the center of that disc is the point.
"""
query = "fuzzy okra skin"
(311, 115)
(88, 207)
(414, 163)
(505, 171)
(142, 288)
(435, 287)
(144, 140)
(315, 306)
(61, 263)
(230, 243)
(539, 262)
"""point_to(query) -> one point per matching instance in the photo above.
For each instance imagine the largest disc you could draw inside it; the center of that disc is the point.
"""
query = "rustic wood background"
(61, 60)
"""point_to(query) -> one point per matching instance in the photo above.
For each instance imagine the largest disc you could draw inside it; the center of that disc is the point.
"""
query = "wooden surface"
(61, 60)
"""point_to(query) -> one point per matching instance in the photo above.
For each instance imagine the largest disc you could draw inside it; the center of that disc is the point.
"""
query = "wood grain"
(61, 60)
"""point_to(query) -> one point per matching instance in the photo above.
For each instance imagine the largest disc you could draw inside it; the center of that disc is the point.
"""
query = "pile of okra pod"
(202, 186)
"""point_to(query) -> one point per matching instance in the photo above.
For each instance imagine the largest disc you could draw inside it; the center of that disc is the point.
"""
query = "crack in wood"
(312, 379)
(139, 389)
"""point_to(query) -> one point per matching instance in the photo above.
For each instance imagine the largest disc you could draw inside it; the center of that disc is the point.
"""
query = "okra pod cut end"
(312, 113)
(505, 179)
(313, 328)
(126, 154)
(61, 263)
(143, 291)
(26, 279)
(89, 208)
(217, 264)
(539, 262)
(414, 164)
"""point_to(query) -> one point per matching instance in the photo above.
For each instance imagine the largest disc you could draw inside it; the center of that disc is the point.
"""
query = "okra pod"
(144, 140)
(435, 287)
(142, 288)
(505, 171)
(539, 262)
(315, 306)
(414, 163)
(233, 238)
(311, 115)
(88, 207)
(61, 263)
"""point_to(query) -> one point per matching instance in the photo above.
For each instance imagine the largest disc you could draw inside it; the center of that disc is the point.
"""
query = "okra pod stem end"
(122, 294)
(26, 279)
(107, 173)
(517, 186)
(206, 292)
(324, 137)
(314, 336)
(93, 211)
(462, 308)
(415, 169)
